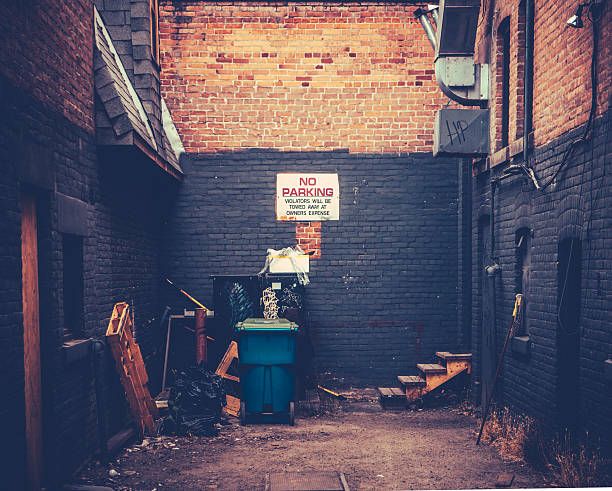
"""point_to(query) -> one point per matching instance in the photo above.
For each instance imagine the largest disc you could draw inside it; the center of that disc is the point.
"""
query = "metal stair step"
(411, 380)
(445, 355)
(431, 368)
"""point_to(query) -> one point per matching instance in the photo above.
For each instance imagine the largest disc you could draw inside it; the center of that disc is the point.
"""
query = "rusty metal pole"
(200, 335)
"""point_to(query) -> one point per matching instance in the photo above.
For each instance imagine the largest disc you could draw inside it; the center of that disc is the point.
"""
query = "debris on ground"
(504, 480)
(360, 440)
(195, 403)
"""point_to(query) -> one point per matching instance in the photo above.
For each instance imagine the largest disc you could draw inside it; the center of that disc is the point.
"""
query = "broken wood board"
(232, 403)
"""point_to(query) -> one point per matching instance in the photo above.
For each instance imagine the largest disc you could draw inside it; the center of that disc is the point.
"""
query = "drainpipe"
(528, 101)
(493, 269)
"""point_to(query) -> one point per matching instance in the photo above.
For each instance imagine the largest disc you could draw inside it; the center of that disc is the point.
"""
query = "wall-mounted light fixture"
(576, 19)
(594, 6)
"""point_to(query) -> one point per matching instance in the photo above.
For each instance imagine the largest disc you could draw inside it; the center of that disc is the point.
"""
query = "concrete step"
(411, 381)
(431, 368)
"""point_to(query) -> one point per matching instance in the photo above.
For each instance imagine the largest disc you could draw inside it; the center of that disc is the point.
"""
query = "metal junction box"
(461, 132)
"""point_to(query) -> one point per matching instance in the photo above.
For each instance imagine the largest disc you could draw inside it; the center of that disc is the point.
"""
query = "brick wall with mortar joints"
(298, 76)
(383, 294)
(562, 58)
(47, 49)
(308, 237)
(121, 262)
(529, 384)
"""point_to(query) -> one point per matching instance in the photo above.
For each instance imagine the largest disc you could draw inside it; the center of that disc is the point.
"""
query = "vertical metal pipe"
(434, 15)
(421, 14)
(528, 100)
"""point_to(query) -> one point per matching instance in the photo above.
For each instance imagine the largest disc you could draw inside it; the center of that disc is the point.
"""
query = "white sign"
(307, 197)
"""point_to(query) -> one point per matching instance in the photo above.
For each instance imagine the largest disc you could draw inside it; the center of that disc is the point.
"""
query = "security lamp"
(595, 7)
(576, 19)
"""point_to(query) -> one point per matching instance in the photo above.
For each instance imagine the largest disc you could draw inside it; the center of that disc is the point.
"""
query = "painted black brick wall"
(582, 195)
(384, 294)
(126, 199)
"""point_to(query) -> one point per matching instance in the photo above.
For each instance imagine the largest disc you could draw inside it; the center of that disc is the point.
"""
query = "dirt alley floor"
(433, 448)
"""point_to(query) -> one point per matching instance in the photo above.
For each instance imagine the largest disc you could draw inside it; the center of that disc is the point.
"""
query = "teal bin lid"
(276, 325)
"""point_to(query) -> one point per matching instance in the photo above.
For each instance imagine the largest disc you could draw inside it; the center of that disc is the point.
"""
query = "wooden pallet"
(233, 403)
(131, 369)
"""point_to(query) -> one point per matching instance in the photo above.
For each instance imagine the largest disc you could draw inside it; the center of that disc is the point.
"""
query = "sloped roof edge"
(124, 109)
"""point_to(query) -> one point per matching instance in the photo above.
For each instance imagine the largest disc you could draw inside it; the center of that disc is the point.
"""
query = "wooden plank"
(131, 369)
(445, 355)
(230, 354)
(411, 380)
(233, 403)
(31, 342)
(391, 392)
(431, 368)
(391, 397)
(233, 406)
(126, 382)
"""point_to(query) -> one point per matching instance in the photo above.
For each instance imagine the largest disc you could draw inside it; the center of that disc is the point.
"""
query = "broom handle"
(516, 314)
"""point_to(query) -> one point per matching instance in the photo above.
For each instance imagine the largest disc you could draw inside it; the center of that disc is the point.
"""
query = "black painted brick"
(384, 294)
(529, 384)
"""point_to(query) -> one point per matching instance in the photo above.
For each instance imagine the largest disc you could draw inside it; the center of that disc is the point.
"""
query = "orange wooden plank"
(233, 406)
(230, 354)
(233, 403)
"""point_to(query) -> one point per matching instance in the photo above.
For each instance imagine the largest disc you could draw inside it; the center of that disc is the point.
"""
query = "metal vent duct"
(458, 20)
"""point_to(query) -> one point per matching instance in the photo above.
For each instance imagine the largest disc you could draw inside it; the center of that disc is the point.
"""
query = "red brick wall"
(308, 237)
(562, 58)
(298, 76)
(46, 48)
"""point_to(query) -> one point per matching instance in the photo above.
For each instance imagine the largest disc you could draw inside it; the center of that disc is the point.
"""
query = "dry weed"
(569, 461)
(576, 463)
(513, 435)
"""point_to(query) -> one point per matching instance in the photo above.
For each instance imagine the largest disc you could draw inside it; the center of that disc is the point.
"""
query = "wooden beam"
(31, 342)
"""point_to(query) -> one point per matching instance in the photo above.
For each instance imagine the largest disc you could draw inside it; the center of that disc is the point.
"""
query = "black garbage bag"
(195, 402)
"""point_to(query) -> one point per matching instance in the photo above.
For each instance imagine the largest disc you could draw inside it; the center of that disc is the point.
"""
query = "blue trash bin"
(266, 354)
